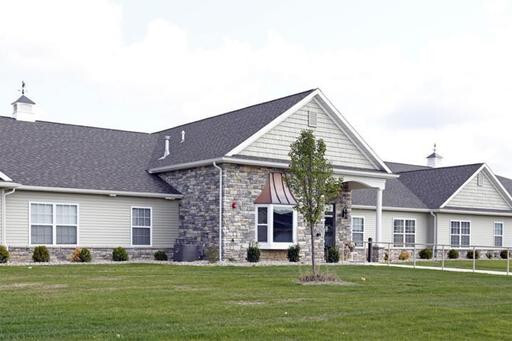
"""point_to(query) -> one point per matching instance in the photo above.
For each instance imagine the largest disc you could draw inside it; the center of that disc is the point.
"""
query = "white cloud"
(453, 91)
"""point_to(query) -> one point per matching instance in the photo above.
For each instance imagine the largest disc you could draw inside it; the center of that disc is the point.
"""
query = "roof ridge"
(446, 167)
(82, 126)
(238, 109)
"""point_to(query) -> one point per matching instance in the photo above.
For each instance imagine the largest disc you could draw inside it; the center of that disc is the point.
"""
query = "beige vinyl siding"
(103, 221)
(423, 224)
(340, 150)
(482, 228)
(474, 196)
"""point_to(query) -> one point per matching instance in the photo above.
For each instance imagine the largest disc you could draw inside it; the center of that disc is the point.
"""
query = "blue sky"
(406, 74)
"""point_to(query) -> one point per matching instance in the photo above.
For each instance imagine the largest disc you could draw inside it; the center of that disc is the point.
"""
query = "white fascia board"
(358, 137)
(497, 183)
(273, 124)
(7, 184)
(4, 177)
(100, 192)
(474, 212)
(185, 165)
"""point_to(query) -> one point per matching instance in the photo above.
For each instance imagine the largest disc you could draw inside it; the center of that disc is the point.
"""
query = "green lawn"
(146, 301)
(481, 264)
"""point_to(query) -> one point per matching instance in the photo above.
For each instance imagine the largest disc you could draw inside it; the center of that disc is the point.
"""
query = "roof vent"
(166, 151)
(434, 160)
(22, 107)
(182, 136)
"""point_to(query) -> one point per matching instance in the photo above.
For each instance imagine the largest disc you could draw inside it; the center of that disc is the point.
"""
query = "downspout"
(220, 210)
(435, 231)
(4, 215)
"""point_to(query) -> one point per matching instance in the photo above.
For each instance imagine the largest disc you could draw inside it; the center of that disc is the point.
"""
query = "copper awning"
(275, 192)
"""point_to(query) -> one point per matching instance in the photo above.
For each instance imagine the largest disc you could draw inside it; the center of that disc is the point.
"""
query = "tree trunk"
(313, 261)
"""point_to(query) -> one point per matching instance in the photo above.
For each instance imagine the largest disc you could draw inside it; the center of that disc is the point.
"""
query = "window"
(498, 234)
(53, 224)
(141, 226)
(358, 230)
(275, 226)
(404, 232)
(312, 118)
(460, 232)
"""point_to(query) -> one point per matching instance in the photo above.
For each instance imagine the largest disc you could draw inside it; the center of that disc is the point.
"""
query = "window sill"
(275, 246)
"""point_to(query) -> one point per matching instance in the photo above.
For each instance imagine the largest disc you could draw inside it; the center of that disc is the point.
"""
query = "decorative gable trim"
(338, 118)
(494, 180)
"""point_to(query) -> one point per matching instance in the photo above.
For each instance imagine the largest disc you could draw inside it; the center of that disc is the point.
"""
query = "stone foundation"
(24, 254)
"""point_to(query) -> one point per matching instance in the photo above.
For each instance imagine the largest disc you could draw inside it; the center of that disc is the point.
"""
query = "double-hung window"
(141, 226)
(498, 233)
(460, 233)
(53, 224)
(276, 226)
(404, 232)
(358, 230)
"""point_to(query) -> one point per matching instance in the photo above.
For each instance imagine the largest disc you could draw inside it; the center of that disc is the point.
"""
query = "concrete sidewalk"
(488, 272)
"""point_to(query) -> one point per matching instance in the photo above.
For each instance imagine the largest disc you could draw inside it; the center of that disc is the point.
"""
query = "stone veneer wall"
(343, 224)
(24, 254)
(242, 185)
(199, 208)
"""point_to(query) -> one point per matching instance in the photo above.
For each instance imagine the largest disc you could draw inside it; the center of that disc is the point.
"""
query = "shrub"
(503, 254)
(453, 254)
(212, 254)
(333, 255)
(4, 254)
(119, 254)
(318, 278)
(253, 253)
(160, 255)
(75, 255)
(404, 255)
(293, 253)
(489, 255)
(469, 254)
(85, 255)
(41, 254)
(425, 253)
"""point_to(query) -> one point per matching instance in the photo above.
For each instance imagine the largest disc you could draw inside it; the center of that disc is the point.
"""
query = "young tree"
(311, 181)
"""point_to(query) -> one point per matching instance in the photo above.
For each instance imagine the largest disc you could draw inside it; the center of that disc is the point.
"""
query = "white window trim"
(497, 235)
(404, 233)
(352, 229)
(460, 233)
(270, 245)
(54, 223)
(150, 227)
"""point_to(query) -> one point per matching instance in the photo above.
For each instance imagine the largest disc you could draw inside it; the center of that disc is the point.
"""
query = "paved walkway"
(488, 272)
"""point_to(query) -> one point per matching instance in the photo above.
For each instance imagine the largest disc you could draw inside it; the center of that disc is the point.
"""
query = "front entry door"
(329, 226)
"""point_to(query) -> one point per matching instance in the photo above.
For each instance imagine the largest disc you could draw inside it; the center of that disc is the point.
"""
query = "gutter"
(435, 226)
(220, 209)
(168, 196)
(271, 164)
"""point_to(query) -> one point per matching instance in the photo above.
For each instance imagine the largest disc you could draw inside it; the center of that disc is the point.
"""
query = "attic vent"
(480, 179)
(311, 119)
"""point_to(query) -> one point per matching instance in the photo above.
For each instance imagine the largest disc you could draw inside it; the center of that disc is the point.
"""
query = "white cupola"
(23, 107)
(434, 160)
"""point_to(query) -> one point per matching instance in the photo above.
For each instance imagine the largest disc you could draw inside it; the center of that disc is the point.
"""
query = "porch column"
(378, 218)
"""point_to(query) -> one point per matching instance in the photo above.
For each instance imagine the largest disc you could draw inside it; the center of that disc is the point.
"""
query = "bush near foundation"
(119, 254)
(503, 254)
(41, 254)
(212, 254)
(425, 253)
(253, 253)
(332, 255)
(469, 254)
(160, 255)
(85, 255)
(294, 253)
(453, 254)
(4, 254)
(404, 255)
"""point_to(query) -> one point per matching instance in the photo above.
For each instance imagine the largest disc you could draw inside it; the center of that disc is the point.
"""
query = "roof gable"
(482, 190)
(341, 150)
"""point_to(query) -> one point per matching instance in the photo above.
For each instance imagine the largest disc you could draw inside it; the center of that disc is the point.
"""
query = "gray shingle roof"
(215, 136)
(61, 155)
(418, 186)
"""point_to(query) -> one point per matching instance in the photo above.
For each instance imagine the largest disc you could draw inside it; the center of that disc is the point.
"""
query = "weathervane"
(435, 147)
(22, 87)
